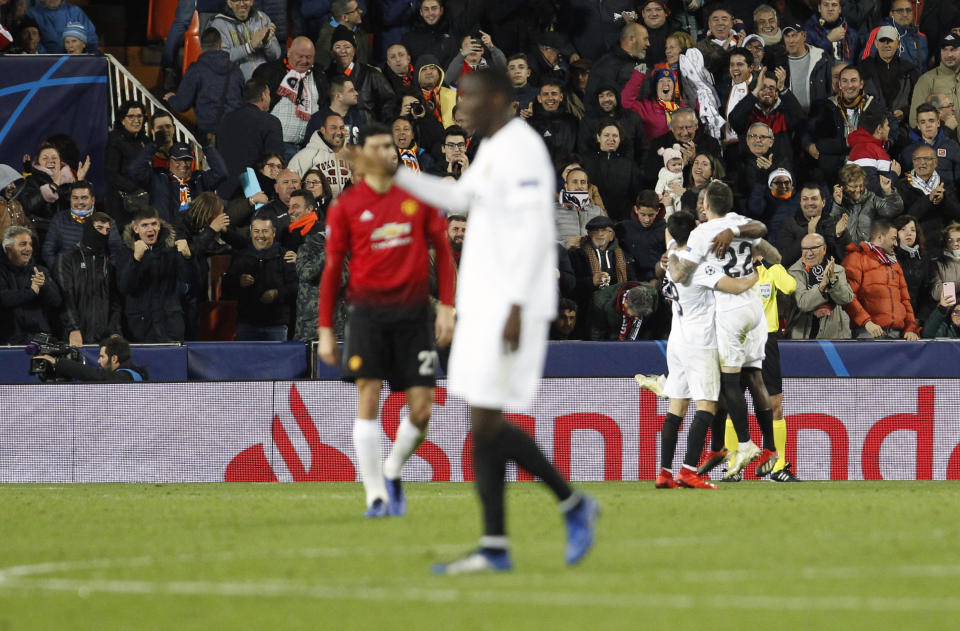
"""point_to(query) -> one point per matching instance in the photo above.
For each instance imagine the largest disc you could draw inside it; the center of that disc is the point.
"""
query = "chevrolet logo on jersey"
(391, 235)
(410, 207)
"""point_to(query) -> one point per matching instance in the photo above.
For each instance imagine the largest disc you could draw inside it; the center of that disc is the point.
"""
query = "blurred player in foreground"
(506, 299)
(386, 233)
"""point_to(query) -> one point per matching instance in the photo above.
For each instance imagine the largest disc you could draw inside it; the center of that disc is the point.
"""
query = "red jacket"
(867, 151)
(880, 293)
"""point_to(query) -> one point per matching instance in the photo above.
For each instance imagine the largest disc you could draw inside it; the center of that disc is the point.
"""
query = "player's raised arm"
(751, 230)
(769, 253)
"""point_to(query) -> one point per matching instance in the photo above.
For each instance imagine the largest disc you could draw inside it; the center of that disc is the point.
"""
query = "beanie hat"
(342, 34)
(75, 29)
(661, 73)
(669, 153)
(779, 173)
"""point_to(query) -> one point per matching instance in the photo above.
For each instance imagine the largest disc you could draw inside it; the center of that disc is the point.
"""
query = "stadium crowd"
(833, 121)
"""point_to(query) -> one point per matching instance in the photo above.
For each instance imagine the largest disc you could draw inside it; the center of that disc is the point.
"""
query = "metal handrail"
(124, 87)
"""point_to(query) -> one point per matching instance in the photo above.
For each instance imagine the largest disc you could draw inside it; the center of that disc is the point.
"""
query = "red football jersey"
(387, 237)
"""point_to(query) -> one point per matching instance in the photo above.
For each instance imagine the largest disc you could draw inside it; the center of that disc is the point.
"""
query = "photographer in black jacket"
(114, 362)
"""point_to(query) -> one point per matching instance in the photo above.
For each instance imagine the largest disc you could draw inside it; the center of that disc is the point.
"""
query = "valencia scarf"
(293, 87)
(882, 257)
(917, 182)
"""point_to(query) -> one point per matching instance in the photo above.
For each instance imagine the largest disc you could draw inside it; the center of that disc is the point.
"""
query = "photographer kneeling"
(114, 361)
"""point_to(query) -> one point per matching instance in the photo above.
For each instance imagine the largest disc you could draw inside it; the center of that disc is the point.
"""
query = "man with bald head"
(615, 67)
(822, 290)
(298, 88)
(287, 182)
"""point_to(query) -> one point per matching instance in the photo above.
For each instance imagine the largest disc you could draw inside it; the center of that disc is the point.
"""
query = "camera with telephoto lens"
(45, 344)
(416, 108)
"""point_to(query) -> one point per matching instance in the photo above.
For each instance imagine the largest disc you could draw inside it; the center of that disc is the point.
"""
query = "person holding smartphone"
(946, 272)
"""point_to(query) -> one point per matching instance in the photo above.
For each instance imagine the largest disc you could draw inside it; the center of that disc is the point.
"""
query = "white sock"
(408, 439)
(366, 442)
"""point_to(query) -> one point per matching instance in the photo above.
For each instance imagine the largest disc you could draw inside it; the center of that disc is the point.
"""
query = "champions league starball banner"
(45, 95)
(592, 428)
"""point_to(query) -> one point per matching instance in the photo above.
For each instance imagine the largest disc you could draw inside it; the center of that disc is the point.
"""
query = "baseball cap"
(180, 151)
(888, 32)
(950, 40)
(793, 27)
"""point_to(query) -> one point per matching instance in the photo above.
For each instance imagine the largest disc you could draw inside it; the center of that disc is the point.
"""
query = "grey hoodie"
(236, 37)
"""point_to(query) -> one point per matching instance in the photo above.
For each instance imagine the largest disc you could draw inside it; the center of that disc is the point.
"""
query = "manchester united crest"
(410, 207)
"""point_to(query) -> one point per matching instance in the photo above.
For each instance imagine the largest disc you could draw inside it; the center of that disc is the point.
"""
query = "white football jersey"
(737, 263)
(694, 308)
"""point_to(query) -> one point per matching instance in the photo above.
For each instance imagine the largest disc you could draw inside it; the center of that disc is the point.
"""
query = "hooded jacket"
(91, 300)
(269, 271)
(808, 299)
(24, 313)
(862, 212)
(163, 186)
(53, 22)
(443, 96)
(235, 36)
(212, 86)
(321, 156)
(152, 288)
(66, 232)
(880, 291)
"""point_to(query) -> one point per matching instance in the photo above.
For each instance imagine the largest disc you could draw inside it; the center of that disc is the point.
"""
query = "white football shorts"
(742, 336)
(693, 373)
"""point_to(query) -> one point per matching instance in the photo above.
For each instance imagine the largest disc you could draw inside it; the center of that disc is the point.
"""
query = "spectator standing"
(246, 134)
(311, 258)
(642, 238)
(47, 187)
(88, 283)
(913, 44)
(867, 149)
(654, 99)
(173, 188)
(376, 98)
(862, 207)
(607, 109)
(344, 99)
(915, 263)
(67, 226)
(430, 33)
(475, 54)
(11, 211)
(929, 133)
(325, 153)
(889, 77)
(150, 274)
(881, 303)
(557, 128)
(574, 209)
(946, 268)
(614, 68)
(592, 26)
(616, 176)
(399, 71)
(437, 99)
(212, 85)
(264, 281)
(248, 35)
(822, 292)
(927, 196)
(943, 79)
(52, 17)
(810, 67)
(27, 290)
(810, 219)
(126, 140)
(829, 30)
(349, 15)
(297, 88)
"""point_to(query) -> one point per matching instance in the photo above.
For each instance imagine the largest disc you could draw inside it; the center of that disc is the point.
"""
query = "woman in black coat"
(47, 187)
(123, 144)
(616, 177)
(913, 259)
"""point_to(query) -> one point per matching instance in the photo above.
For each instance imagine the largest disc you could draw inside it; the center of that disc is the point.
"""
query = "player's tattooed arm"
(769, 253)
(750, 230)
(681, 270)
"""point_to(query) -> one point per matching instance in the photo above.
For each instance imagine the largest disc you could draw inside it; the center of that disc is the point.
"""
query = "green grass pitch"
(855, 555)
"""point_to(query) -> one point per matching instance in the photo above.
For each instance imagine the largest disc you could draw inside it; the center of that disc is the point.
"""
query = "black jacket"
(91, 300)
(273, 73)
(242, 137)
(932, 219)
(152, 288)
(591, 25)
(213, 87)
(825, 128)
(613, 69)
(376, 98)
(567, 280)
(916, 271)
(122, 146)
(435, 40)
(618, 180)
(559, 132)
(269, 271)
(793, 229)
(37, 208)
(204, 243)
(82, 372)
(634, 142)
(643, 245)
(162, 185)
(24, 313)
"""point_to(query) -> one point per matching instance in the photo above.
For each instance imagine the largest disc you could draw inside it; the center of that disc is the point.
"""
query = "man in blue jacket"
(172, 189)
(52, 17)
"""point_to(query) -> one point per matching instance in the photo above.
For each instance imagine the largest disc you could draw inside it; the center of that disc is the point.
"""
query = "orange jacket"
(880, 293)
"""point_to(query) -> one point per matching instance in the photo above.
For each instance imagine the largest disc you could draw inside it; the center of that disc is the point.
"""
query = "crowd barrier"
(593, 428)
(239, 361)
